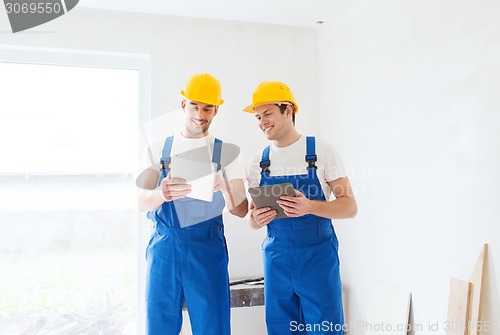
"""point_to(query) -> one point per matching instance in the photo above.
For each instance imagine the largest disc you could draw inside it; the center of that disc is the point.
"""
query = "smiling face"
(272, 122)
(199, 116)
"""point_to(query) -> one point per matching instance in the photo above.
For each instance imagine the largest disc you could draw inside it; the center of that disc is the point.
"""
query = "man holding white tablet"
(302, 285)
(187, 255)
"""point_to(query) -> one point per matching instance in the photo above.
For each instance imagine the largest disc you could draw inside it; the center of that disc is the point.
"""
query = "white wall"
(409, 93)
(241, 55)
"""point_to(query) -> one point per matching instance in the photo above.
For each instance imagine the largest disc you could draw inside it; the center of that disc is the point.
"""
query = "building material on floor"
(458, 307)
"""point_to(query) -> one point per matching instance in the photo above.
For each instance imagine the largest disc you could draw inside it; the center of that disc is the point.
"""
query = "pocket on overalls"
(150, 243)
(221, 237)
(266, 242)
(190, 211)
(335, 243)
(334, 240)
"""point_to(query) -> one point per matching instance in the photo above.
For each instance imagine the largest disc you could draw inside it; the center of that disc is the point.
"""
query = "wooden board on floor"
(458, 307)
(477, 283)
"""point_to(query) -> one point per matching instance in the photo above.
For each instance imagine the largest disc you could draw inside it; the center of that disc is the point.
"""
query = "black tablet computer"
(266, 196)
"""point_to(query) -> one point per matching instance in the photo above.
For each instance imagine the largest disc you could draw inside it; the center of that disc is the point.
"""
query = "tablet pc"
(266, 196)
(200, 174)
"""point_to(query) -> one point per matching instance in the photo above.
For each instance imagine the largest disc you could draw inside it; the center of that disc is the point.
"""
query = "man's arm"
(343, 207)
(260, 217)
(169, 189)
(234, 194)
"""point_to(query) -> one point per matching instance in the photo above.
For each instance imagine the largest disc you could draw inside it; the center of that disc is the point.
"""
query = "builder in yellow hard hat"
(301, 264)
(187, 255)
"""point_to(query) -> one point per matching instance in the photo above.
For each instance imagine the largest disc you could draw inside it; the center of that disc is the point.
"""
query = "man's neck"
(187, 134)
(290, 138)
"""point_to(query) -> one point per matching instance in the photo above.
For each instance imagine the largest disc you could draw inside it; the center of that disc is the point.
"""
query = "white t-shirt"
(290, 160)
(234, 170)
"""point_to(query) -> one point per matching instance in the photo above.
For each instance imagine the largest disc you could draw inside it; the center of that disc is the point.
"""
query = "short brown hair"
(282, 108)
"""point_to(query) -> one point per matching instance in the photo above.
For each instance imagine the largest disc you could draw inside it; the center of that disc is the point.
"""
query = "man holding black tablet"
(302, 283)
(187, 255)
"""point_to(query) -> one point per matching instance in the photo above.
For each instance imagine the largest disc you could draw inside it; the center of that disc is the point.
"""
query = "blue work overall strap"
(216, 154)
(265, 162)
(167, 149)
(165, 158)
(311, 157)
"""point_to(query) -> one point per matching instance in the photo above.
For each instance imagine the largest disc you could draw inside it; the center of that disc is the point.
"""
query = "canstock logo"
(26, 14)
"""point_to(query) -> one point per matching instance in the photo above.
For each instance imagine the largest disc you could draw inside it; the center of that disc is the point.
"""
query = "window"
(62, 120)
(68, 219)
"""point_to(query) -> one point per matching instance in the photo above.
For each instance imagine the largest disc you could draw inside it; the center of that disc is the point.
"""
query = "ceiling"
(305, 13)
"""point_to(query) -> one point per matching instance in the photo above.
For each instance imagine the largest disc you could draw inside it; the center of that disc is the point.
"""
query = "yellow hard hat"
(271, 92)
(204, 88)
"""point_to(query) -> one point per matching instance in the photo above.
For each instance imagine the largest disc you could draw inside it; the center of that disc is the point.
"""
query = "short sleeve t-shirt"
(180, 144)
(290, 160)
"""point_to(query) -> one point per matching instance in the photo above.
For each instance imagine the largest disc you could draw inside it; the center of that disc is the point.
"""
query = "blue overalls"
(188, 264)
(302, 284)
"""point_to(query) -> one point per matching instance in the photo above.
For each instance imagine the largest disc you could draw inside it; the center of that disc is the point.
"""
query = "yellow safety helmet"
(271, 92)
(204, 88)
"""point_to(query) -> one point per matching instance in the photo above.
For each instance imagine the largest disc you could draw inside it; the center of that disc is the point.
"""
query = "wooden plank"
(477, 284)
(458, 307)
